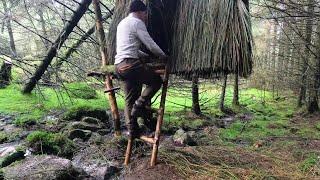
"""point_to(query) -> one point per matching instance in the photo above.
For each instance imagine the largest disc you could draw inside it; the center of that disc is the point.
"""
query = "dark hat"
(137, 5)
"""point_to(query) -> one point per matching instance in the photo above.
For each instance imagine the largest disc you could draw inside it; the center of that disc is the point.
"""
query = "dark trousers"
(134, 74)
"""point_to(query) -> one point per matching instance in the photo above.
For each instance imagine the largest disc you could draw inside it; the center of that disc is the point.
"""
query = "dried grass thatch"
(203, 37)
(221, 162)
(212, 37)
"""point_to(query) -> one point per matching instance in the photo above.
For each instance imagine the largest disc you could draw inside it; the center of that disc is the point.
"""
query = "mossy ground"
(276, 132)
(32, 108)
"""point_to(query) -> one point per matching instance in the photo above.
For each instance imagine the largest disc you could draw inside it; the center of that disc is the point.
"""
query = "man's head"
(139, 9)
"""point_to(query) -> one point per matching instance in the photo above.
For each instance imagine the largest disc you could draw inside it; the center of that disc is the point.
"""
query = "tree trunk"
(57, 45)
(44, 29)
(313, 105)
(303, 83)
(223, 93)
(5, 71)
(108, 80)
(46, 78)
(5, 74)
(9, 27)
(282, 53)
(195, 95)
(235, 100)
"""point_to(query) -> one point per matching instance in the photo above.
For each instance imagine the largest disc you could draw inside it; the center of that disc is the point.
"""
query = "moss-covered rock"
(11, 158)
(43, 167)
(80, 133)
(91, 120)
(78, 112)
(43, 142)
(25, 121)
(182, 137)
(85, 126)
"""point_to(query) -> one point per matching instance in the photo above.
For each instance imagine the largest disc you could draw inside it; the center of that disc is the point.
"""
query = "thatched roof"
(204, 37)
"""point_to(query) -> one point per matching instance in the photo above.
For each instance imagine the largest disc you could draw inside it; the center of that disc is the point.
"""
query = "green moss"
(11, 100)
(50, 143)
(318, 126)
(78, 111)
(252, 131)
(310, 162)
(81, 90)
(13, 157)
(176, 120)
(3, 137)
(26, 120)
(308, 132)
(31, 109)
(278, 125)
(232, 132)
(1, 174)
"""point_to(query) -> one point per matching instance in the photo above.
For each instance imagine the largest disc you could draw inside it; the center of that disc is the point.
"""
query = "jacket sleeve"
(146, 39)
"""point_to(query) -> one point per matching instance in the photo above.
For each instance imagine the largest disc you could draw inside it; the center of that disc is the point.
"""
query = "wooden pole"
(128, 151)
(108, 80)
(160, 117)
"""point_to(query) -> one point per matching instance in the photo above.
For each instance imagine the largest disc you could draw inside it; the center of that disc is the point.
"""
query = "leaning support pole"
(108, 80)
(29, 86)
(160, 116)
(128, 151)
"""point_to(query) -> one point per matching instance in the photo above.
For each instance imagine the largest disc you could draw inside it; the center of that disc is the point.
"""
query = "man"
(131, 34)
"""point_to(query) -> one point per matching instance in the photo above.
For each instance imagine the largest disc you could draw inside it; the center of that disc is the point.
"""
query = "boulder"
(85, 126)
(104, 173)
(103, 132)
(7, 150)
(80, 133)
(91, 120)
(96, 138)
(9, 153)
(11, 157)
(101, 161)
(43, 167)
(181, 137)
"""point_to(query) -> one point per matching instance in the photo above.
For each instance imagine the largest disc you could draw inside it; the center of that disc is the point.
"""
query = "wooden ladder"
(156, 139)
(112, 99)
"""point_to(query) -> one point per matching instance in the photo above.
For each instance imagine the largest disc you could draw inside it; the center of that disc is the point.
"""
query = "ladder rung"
(112, 90)
(148, 139)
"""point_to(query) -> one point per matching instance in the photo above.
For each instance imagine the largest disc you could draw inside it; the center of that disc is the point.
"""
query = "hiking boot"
(133, 128)
(134, 133)
(142, 111)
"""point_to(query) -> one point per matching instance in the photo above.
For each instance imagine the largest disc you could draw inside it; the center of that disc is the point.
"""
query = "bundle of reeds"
(203, 37)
